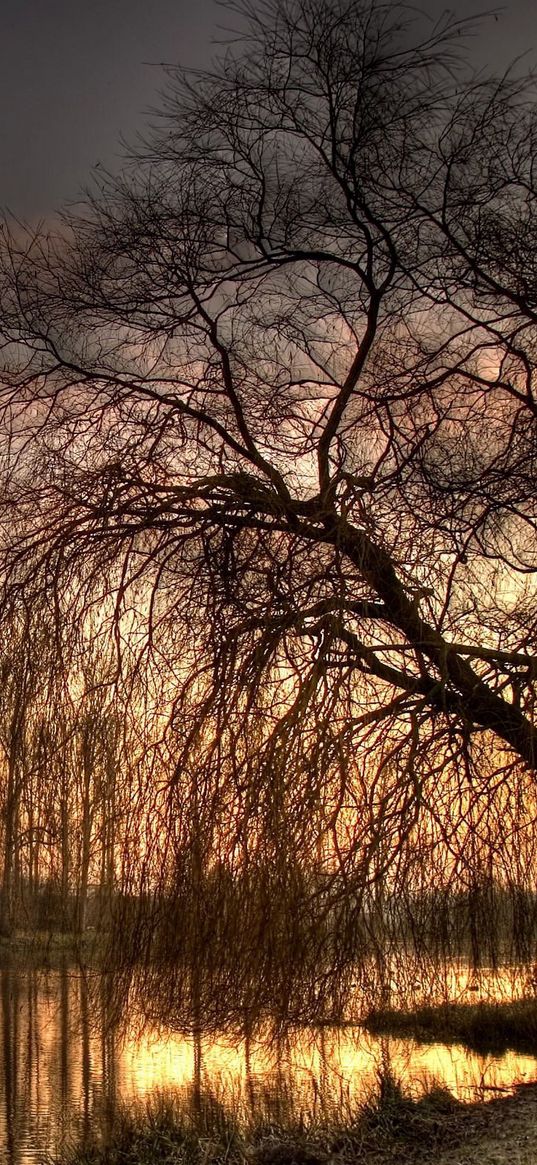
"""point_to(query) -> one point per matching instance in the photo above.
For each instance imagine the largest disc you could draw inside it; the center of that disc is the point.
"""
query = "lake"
(63, 1068)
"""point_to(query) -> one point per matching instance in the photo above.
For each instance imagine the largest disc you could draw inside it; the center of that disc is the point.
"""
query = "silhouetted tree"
(270, 398)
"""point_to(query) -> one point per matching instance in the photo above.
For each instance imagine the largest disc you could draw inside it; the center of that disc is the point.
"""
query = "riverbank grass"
(483, 1027)
(390, 1128)
(44, 948)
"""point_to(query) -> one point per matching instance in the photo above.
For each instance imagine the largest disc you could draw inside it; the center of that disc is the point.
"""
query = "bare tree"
(270, 398)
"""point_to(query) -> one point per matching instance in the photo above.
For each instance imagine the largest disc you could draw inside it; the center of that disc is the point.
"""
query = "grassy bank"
(483, 1027)
(161, 1131)
(48, 948)
(391, 1129)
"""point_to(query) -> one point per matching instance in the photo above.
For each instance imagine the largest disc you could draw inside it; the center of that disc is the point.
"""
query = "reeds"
(163, 1129)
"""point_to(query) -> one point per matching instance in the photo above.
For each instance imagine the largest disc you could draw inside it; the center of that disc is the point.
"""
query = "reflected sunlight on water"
(324, 1070)
(63, 1068)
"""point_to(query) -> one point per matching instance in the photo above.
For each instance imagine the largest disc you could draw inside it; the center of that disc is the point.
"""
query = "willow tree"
(272, 392)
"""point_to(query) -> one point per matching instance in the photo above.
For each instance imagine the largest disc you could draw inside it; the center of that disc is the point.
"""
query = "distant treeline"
(245, 877)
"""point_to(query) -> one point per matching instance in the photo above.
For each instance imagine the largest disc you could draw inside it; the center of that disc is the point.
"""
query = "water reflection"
(63, 1068)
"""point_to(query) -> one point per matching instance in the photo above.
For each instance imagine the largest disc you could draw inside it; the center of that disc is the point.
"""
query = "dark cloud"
(74, 75)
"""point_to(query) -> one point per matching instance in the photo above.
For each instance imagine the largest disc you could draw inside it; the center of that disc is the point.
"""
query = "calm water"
(62, 1069)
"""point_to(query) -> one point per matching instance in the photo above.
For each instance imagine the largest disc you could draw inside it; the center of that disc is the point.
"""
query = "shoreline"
(391, 1130)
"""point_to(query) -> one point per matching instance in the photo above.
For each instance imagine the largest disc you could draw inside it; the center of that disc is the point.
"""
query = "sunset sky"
(74, 76)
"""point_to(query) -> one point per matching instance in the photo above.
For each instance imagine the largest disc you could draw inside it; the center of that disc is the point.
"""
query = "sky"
(75, 75)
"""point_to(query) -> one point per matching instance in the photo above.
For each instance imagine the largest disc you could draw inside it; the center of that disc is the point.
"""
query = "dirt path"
(502, 1132)
(439, 1132)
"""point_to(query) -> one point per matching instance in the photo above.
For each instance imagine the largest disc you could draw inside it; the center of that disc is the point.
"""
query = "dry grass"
(391, 1130)
(484, 1027)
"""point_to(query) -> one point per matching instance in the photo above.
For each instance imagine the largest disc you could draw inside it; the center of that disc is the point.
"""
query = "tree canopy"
(269, 408)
